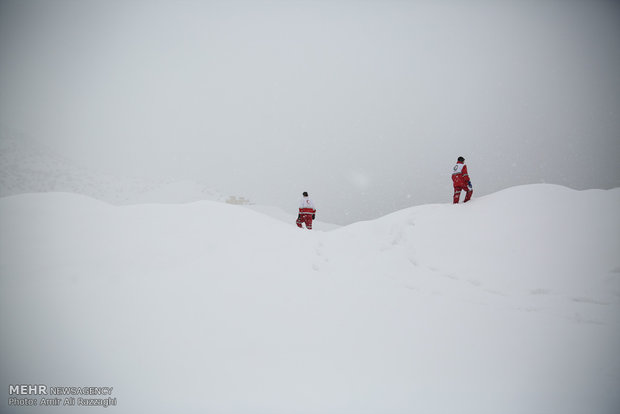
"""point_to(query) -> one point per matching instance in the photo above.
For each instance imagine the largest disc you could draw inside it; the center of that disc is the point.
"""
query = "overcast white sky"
(365, 104)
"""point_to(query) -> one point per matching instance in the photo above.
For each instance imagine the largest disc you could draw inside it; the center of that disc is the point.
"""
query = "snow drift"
(509, 304)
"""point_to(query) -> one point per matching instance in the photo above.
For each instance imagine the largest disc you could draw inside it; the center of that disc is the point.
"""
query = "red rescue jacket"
(460, 178)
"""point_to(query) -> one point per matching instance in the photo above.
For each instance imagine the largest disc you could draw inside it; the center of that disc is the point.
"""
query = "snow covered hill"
(509, 304)
(27, 166)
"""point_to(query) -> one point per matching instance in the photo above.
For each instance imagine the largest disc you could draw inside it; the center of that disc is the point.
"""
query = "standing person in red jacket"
(460, 180)
(306, 211)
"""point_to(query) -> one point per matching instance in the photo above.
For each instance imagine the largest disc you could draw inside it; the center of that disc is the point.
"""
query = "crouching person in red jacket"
(306, 211)
(461, 182)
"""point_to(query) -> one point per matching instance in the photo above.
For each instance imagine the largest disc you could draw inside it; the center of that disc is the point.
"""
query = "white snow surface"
(507, 304)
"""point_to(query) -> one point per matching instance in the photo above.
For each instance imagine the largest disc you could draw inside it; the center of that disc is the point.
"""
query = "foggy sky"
(366, 105)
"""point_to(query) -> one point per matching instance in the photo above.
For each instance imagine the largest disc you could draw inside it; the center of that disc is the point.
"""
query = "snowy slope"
(509, 304)
(27, 166)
